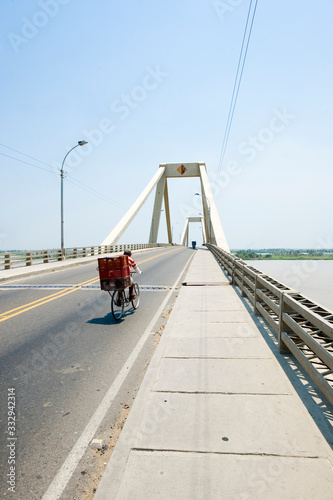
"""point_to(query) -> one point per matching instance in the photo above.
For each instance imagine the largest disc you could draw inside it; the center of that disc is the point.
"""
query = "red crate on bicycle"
(114, 272)
(113, 262)
(115, 278)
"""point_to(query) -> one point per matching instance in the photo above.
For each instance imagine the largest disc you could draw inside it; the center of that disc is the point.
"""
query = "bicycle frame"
(121, 299)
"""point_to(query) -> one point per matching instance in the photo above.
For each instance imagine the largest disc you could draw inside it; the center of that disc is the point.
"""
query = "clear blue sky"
(67, 69)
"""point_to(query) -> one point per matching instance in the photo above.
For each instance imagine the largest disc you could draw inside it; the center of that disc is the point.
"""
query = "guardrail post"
(282, 326)
(92, 251)
(46, 257)
(74, 253)
(84, 252)
(8, 261)
(28, 259)
(232, 282)
(233, 272)
(255, 310)
(243, 272)
(231, 268)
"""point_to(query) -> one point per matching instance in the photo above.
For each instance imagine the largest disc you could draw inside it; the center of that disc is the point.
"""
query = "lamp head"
(82, 143)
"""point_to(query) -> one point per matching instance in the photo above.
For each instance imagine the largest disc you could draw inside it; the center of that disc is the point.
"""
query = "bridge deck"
(216, 416)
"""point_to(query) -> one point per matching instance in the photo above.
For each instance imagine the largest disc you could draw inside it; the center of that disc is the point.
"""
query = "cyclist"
(134, 266)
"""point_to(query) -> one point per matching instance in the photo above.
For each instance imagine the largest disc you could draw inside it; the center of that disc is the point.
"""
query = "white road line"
(61, 479)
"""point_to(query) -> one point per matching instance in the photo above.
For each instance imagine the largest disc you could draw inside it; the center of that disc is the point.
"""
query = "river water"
(312, 278)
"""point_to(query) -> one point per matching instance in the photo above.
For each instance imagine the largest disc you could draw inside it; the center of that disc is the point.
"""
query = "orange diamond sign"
(181, 169)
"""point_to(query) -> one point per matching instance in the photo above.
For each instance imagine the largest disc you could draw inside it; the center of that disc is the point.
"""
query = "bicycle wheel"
(117, 305)
(136, 290)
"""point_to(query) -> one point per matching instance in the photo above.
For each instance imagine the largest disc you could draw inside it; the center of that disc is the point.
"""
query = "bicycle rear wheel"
(117, 305)
(136, 290)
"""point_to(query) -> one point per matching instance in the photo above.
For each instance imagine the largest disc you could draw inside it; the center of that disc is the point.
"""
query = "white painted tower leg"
(155, 221)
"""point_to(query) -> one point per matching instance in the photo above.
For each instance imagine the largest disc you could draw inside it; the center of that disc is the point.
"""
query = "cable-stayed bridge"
(214, 398)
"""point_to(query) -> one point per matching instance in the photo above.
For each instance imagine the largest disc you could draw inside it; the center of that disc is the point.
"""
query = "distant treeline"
(283, 254)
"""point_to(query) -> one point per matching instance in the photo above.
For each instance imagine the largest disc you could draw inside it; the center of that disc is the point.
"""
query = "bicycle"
(121, 299)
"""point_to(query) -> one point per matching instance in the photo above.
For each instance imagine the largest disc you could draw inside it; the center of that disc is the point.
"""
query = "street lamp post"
(80, 143)
(208, 203)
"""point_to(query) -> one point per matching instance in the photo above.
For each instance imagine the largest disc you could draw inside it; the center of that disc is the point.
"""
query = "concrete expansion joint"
(237, 454)
(214, 357)
(226, 393)
(206, 284)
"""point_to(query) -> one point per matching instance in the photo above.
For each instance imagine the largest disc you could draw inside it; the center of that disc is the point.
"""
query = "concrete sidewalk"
(216, 417)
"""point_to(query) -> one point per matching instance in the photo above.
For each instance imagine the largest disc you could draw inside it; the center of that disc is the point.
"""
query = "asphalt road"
(60, 354)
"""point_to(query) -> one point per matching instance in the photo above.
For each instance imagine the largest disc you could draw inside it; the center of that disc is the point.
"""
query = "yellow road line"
(41, 303)
(31, 305)
(44, 298)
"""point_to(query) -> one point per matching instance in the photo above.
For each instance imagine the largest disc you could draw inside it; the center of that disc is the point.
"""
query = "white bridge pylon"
(212, 227)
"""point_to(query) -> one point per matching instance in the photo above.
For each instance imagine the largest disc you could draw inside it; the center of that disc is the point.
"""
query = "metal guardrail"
(10, 260)
(303, 327)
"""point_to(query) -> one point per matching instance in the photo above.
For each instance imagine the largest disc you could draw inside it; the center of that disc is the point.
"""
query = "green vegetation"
(284, 254)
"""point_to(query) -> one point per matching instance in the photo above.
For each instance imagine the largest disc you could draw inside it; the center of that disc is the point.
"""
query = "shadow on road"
(108, 319)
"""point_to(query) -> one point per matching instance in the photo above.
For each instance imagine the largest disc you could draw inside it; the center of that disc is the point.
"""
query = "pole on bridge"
(80, 143)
